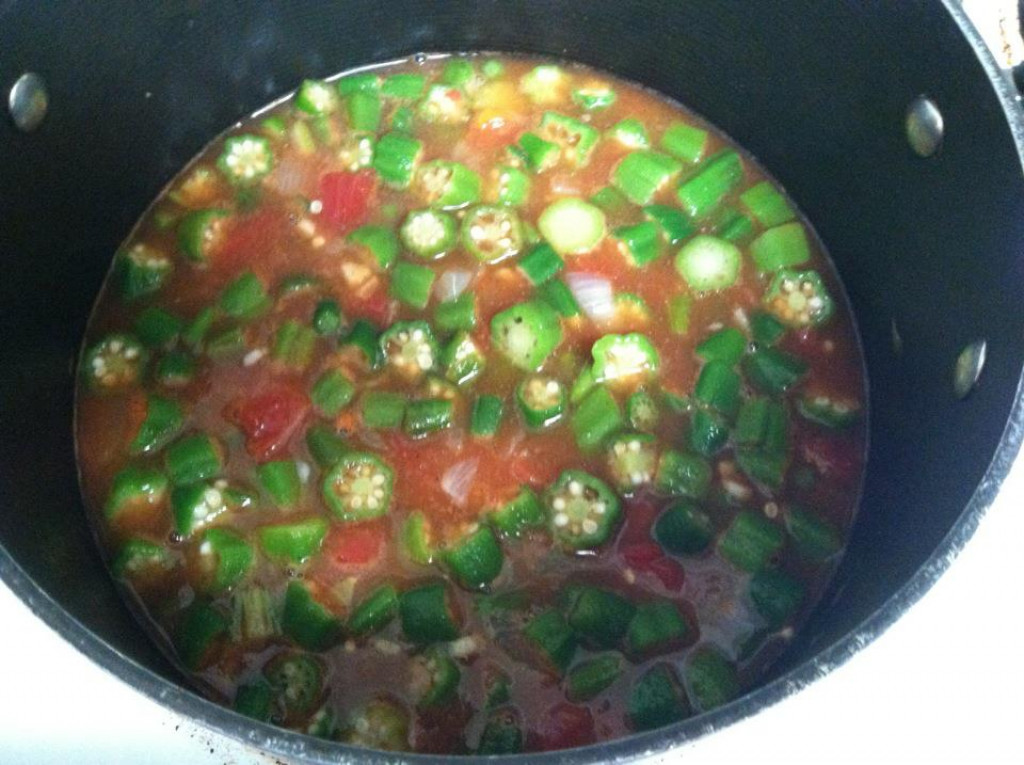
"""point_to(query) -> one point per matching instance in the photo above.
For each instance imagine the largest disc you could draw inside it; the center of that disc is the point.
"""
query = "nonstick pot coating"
(928, 249)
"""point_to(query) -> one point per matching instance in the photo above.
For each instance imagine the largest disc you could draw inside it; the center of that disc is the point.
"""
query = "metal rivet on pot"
(925, 126)
(968, 368)
(27, 102)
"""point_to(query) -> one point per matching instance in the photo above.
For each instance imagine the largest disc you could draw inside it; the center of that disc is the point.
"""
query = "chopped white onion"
(304, 470)
(593, 293)
(451, 284)
(294, 177)
(458, 479)
(464, 647)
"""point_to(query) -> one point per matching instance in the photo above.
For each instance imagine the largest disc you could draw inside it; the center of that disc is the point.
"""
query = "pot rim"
(281, 742)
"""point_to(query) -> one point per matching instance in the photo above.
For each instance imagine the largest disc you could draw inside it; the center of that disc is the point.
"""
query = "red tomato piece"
(640, 555)
(376, 307)
(268, 419)
(492, 130)
(669, 571)
(564, 726)
(347, 198)
(640, 513)
(355, 545)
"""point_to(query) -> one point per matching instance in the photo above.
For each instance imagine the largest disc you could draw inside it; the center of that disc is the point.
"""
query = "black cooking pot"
(818, 91)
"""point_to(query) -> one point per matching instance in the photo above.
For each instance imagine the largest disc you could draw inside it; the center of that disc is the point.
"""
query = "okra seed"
(600, 508)
(115, 346)
(589, 526)
(575, 488)
(213, 498)
(558, 503)
(378, 480)
(561, 520)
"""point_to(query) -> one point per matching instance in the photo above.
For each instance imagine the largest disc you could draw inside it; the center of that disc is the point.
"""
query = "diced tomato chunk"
(640, 555)
(669, 571)
(491, 129)
(268, 419)
(564, 726)
(640, 513)
(376, 307)
(355, 545)
(347, 198)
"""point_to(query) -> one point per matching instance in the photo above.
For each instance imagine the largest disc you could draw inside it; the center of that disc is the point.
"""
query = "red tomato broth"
(259, 410)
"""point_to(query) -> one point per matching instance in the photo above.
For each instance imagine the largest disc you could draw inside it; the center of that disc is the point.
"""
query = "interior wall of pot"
(816, 90)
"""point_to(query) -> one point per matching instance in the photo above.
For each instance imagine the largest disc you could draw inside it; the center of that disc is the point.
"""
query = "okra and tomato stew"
(474, 405)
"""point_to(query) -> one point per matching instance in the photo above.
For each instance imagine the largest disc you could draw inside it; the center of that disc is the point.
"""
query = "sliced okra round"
(138, 557)
(164, 419)
(630, 312)
(195, 505)
(502, 733)
(409, 348)
(632, 460)
(526, 333)
(624, 357)
(542, 401)
(225, 556)
(246, 159)
(356, 151)
(444, 104)
(833, 412)
(200, 232)
(582, 510)
(358, 487)
(435, 678)
(114, 363)
(176, 369)
(316, 97)
(380, 724)
(476, 559)
(447, 185)
(575, 138)
(142, 270)
(799, 299)
(428, 234)
(491, 234)
(462, 359)
(297, 680)
(134, 488)
(416, 539)
(642, 411)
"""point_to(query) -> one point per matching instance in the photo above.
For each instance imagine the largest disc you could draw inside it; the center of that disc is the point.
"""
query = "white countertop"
(944, 684)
